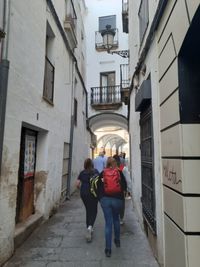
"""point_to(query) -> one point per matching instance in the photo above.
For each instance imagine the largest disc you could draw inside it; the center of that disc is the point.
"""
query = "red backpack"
(121, 166)
(111, 179)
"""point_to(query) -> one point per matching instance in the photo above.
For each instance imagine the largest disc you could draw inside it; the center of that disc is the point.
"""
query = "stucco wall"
(26, 106)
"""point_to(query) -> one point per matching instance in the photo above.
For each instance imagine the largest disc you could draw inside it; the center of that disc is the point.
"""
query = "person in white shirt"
(99, 162)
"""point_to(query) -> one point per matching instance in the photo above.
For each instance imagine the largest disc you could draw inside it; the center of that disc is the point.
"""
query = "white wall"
(102, 61)
(26, 106)
(1, 14)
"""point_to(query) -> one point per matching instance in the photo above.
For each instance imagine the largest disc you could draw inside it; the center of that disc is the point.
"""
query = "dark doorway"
(188, 71)
(25, 193)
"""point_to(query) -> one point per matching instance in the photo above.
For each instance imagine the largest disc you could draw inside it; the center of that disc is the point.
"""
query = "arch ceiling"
(107, 119)
(113, 139)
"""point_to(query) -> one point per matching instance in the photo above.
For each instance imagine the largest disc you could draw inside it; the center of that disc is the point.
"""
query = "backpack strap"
(93, 184)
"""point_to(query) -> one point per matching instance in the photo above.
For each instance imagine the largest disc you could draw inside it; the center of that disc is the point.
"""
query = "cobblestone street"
(60, 242)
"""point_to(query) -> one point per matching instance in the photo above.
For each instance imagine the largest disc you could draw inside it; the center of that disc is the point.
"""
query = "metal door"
(25, 194)
(148, 191)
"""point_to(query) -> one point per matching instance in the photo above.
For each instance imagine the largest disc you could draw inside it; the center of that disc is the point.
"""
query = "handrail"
(105, 95)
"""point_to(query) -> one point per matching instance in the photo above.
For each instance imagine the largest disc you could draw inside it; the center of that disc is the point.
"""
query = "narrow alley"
(60, 242)
(93, 79)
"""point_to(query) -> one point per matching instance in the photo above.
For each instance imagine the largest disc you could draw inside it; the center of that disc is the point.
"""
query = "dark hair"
(117, 158)
(88, 164)
(111, 163)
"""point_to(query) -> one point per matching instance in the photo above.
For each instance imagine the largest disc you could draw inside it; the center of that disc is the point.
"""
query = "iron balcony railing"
(99, 40)
(105, 95)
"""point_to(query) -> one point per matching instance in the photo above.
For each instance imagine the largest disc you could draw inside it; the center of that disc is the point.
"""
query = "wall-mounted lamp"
(108, 40)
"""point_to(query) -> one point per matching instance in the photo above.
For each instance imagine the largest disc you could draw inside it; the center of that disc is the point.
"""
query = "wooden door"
(25, 194)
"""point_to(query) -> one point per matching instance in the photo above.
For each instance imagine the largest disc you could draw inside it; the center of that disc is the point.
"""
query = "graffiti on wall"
(170, 173)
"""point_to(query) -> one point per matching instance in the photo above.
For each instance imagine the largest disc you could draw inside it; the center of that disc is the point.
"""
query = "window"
(71, 13)
(2, 35)
(188, 71)
(143, 18)
(75, 111)
(48, 90)
(107, 86)
(107, 79)
(147, 167)
(0, 48)
(107, 20)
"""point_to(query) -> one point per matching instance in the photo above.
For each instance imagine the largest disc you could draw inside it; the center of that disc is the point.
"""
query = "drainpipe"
(6, 27)
(4, 70)
(71, 134)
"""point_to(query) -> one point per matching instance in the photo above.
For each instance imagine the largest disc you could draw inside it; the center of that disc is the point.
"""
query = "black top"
(100, 187)
(84, 177)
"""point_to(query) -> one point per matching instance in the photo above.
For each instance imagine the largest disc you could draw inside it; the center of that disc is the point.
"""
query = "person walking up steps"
(111, 187)
(89, 201)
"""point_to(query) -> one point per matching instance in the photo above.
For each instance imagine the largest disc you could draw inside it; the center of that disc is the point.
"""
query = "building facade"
(42, 72)
(107, 72)
(164, 104)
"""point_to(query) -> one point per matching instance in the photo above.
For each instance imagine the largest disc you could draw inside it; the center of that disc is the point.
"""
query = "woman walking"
(89, 201)
(111, 187)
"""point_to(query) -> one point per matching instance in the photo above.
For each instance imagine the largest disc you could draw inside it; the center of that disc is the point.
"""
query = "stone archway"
(111, 132)
(107, 120)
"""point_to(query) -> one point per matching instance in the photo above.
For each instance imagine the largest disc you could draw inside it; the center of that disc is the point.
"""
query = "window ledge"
(48, 101)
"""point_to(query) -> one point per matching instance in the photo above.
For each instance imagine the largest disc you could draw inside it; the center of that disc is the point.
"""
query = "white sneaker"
(121, 222)
(89, 234)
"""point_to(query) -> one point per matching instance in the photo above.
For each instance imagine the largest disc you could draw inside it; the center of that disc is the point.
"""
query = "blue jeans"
(111, 208)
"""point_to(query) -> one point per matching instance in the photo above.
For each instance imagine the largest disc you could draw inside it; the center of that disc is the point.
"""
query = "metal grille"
(148, 191)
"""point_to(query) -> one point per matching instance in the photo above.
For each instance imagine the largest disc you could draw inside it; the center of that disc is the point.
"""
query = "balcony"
(106, 97)
(100, 42)
(124, 83)
(70, 23)
(125, 15)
